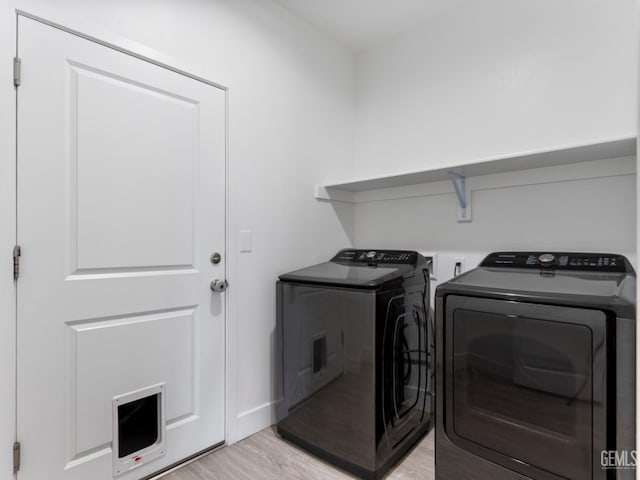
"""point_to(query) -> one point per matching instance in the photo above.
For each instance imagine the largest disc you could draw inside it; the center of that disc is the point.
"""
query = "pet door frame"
(122, 465)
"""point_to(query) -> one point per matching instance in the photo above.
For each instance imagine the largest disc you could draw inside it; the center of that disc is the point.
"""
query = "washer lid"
(358, 268)
(359, 276)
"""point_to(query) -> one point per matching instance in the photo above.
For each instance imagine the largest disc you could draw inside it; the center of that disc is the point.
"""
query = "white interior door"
(121, 201)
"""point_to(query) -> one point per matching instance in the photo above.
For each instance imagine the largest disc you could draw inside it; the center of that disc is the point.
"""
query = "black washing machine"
(356, 364)
(535, 369)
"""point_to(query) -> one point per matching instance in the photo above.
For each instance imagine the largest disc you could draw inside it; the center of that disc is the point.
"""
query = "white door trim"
(154, 57)
(7, 241)
(133, 49)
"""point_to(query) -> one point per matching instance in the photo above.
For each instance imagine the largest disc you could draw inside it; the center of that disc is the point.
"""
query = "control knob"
(371, 255)
(546, 259)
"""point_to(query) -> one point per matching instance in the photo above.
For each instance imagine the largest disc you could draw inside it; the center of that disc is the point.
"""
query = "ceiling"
(361, 24)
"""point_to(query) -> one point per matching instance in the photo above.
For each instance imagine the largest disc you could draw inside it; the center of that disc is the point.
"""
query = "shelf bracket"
(459, 183)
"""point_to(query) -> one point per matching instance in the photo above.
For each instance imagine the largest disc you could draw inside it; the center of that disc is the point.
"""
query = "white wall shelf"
(611, 148)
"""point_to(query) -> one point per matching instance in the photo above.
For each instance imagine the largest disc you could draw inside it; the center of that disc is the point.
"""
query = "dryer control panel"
(356, 256)
(601, 262)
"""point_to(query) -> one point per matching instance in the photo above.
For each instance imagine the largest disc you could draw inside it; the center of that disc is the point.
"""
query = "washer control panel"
(604, 262)
(376, 256)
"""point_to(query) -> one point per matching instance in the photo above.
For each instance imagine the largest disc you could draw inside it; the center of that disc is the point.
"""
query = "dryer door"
(525, 385)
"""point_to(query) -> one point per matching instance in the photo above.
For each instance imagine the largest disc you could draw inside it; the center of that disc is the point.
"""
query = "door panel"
(167, 357)
(121, 199)
(151, 170)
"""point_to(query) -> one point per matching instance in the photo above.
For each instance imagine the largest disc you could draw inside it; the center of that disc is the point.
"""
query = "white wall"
(290, 124)
(492, 78)
(497, 77)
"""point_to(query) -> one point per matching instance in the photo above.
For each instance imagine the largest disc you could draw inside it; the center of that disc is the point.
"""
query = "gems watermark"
(618, 460)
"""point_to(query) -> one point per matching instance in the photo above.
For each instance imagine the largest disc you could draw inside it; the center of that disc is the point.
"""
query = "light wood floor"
(265, 456)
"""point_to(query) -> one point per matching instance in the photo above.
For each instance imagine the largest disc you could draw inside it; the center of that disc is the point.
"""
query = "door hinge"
(17, 251)
(16, 457)
(17, 71)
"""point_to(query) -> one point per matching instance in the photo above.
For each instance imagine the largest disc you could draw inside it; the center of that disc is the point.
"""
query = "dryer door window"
(526, 382)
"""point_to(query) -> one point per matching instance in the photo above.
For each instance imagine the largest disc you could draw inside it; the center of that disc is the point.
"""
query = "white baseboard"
(252, 421)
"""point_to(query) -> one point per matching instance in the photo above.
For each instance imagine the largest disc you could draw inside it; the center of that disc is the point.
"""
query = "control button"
(546, 259)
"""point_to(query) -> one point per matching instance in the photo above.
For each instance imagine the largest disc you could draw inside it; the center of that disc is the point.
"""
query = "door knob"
(218, 285)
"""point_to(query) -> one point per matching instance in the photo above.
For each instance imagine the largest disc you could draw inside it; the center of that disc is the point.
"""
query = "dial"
(371, 255)
(546, 259)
